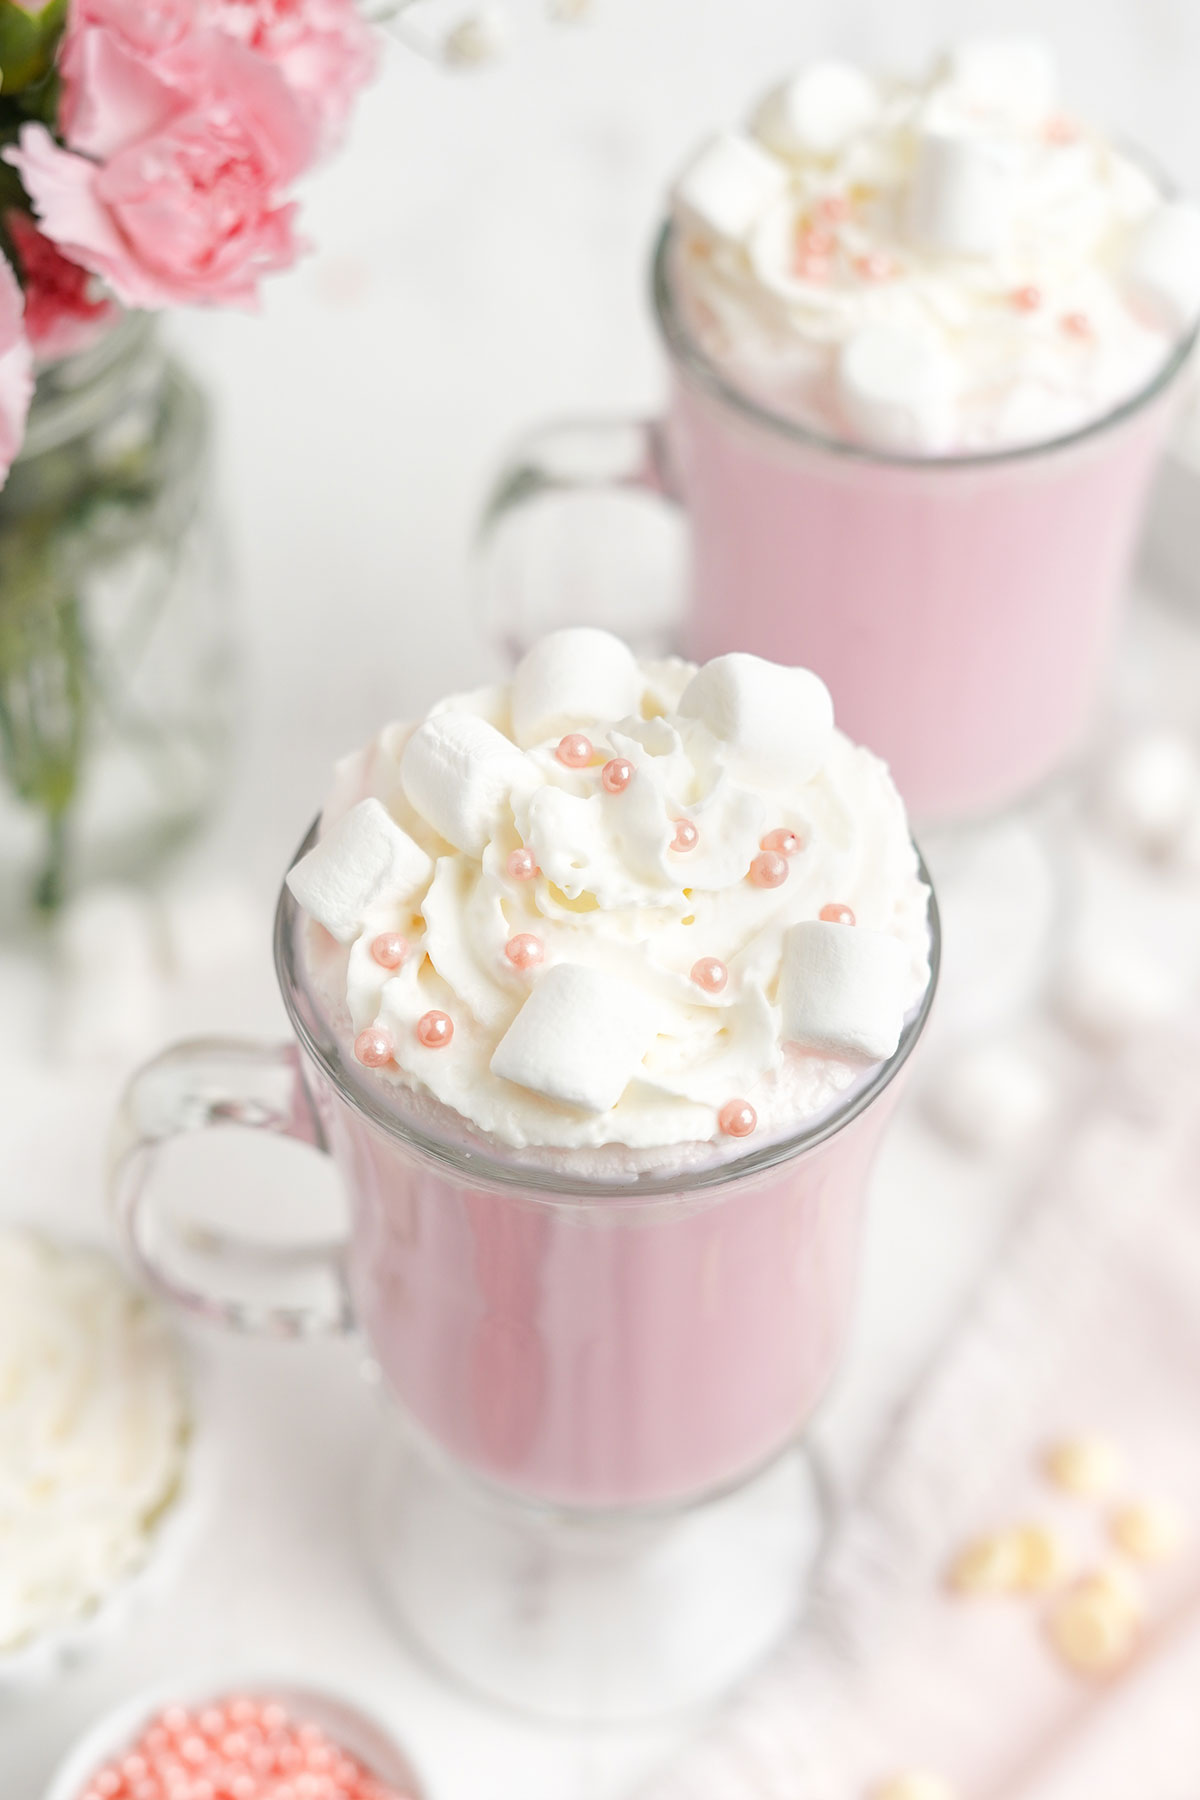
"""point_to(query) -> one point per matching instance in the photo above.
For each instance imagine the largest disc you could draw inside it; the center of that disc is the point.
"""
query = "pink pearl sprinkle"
(812, 268)
(837, 914)
(835, 207)
(815, 242)
(617, 775)
(783, 842)
(1026, 299)
(375, 1048)
(435, 1029)
(686, 835)
(389, 950)
(710, 974)
(1077, 324)
(524, 950)
(769, 869)
(737, 1118)
(522, 865)
(1060, 130)
(574, 751)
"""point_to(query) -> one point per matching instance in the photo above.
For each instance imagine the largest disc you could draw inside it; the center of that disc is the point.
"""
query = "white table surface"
(481, 257)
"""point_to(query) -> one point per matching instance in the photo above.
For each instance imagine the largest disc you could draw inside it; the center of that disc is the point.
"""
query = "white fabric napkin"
(1090, 1323)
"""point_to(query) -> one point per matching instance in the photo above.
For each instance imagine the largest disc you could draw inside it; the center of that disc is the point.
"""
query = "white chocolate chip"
(989, 1565)
(914, 1784)
(1088, 1466)
(1150, 1531)
(1042, 1558)
(1095, 1626)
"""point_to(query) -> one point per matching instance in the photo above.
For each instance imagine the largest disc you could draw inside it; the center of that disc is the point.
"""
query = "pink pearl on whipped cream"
(389, 949)
(686, 836)
(374, 1047)
(574, 751)
(522, 865)
(435, 1029)
(1077, 325)
(710, 974)
(836, 208)
(1026, 299)
(875, 265)
(837, 914)
(616, 775)
(769, 869)
(783, 842)
(737, 1118)
(524, 951)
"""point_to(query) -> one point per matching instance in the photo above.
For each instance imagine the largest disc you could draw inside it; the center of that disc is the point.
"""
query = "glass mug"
(591, 1382)
(961, 609)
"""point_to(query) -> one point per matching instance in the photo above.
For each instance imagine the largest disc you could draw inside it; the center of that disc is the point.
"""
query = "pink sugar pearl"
(574, 751)
(389, 949)
(617, 775)
(876, 265)
(1077, 325)
(522, 865)
(783, 842)
(435, 1029)
(1026, 299)
(710, 974)
(815, 242)
(769, 869)
(686, 835)
(837, 914)
(737, 1118)
(375, 1048)
(524, 950)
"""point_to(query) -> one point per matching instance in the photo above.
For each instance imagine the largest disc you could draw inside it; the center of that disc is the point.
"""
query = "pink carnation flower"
(16, 370)
(63, 313)
(195, 147)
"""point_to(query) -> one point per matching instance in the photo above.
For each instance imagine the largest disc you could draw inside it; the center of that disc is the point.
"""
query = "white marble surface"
(481, 265)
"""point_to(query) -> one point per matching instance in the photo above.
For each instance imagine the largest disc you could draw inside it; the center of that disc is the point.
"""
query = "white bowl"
(342, 1719)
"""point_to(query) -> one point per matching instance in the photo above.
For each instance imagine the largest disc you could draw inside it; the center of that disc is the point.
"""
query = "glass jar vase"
(115, 649)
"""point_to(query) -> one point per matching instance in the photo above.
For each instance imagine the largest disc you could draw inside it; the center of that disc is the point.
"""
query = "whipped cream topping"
(93, 1431)
(608, 953)
(949, 265)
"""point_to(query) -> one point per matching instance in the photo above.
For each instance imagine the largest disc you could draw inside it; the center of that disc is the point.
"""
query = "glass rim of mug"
(545, 1184)
(699, 366)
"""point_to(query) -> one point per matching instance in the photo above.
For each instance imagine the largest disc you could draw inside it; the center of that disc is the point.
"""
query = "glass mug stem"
(198, 1086)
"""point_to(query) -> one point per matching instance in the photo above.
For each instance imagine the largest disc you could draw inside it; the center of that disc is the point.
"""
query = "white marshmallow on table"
(1109, 988)
(727, 187)
(571, 679)
(458, 773)
(962, 194)
(991, 1097)
(1151, 790)
(364, 859)
(1011, 79)
(778, 720)
(897, 390)
(580, 1037)
(843, 989)
(818, 110)
(1162, 274)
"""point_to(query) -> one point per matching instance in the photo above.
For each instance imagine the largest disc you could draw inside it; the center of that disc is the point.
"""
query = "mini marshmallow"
(1162, 275)
(1109, 988)
(843, 989)
(991, 1098)
(364, 859)
(897, 390)
(962, 195)
(1010, 79)
(1151, 790)
(572, 679)
(818, 110)
(727, 187)
(459, 772)
(480, 38)
(580, 1037)
(778, 720)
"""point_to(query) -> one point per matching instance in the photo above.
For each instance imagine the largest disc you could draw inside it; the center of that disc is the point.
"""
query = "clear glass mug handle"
(198, 1086)
(569, 459)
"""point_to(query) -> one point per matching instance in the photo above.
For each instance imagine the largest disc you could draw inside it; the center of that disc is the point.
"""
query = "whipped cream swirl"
(570, 870)
(93, 1432)
(949, 265)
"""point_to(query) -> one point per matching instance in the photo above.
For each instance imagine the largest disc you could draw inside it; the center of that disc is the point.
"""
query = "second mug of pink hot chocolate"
(924, 339)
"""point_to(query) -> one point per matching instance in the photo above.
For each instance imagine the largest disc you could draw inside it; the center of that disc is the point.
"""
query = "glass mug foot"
(587, 1617)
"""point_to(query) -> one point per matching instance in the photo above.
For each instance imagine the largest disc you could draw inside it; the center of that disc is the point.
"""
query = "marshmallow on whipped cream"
(94, 1425)
(618, 903)
(953, 265)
